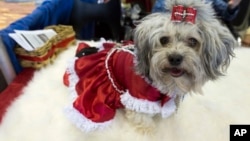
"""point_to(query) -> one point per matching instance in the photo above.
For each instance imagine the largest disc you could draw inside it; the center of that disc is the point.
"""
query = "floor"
(11, 11)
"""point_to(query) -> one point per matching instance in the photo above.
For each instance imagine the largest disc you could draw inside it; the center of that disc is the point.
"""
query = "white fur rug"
(37, 115)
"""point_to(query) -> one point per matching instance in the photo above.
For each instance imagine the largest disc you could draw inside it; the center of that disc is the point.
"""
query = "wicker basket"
(47, 53)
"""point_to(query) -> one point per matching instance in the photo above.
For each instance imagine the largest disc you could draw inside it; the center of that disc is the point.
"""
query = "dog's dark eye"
(192, 42)
(164, 40)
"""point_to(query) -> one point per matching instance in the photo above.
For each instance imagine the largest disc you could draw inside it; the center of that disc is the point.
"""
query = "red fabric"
(14, 89)
(97, 98)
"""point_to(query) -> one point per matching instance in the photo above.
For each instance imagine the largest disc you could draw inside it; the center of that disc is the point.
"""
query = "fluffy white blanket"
(37, 115)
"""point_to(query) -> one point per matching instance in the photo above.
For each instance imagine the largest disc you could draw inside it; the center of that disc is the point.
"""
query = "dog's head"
(179, 56)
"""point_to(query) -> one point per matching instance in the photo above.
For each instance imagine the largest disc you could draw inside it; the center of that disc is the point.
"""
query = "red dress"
(106, 81)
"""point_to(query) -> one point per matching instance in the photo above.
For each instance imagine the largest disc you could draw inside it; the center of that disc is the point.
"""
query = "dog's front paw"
(143, 123)
(145, 128)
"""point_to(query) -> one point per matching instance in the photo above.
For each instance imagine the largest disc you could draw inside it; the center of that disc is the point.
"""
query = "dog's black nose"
(175, 59)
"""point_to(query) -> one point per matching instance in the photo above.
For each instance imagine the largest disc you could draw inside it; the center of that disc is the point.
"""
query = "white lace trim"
(109, 73)
(140, 105)
(83, 123)
(110, 53)
(148, 107)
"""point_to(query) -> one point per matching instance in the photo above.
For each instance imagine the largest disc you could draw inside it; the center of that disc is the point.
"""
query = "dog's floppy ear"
(142, 45)
(217, 48)
(142, 51)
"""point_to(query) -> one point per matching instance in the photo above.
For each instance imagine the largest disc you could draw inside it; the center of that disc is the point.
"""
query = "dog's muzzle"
(175, 60)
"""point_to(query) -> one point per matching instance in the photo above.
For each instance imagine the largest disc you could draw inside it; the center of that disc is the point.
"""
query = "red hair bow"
(181, 13)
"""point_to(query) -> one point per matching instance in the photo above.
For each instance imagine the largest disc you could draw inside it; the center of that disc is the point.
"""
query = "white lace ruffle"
(140, 105)
(83, 123)
(148, 107)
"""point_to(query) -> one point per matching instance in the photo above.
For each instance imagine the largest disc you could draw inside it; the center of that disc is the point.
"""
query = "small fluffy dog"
(175, 53)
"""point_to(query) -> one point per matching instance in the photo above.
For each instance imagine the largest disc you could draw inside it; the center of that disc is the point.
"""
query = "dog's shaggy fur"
(178, 58)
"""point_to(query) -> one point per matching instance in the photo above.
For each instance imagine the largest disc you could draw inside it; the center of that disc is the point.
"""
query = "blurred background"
(11, 10)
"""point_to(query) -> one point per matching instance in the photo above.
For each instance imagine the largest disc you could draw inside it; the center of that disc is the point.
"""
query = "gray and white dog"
(179, 54)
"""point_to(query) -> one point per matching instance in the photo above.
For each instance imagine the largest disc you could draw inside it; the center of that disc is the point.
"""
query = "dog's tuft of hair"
(178, 58)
